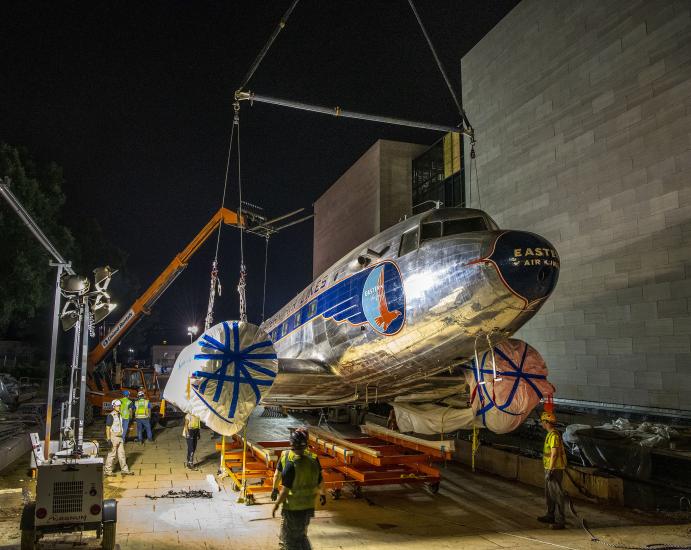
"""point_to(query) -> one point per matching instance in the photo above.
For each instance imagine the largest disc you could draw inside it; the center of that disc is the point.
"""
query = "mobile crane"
(100, 389)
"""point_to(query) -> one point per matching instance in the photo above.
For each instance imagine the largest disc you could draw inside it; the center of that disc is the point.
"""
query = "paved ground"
(471, 511)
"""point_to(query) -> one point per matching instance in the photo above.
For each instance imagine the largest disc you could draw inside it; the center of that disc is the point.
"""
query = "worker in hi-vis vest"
(285, 455)
(190, 432)
(142, 414)
(126, 412)
(302, 480)
(554, 461)
(114, 433)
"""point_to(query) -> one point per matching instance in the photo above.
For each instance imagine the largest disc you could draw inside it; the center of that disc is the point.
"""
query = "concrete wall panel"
(374, 194)
(583, 119)
(348, 213)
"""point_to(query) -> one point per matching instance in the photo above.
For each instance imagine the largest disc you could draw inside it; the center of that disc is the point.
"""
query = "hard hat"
(140, 393)
(302, 429)
(298, 439)
(126, 393)
(116, 403)
(548, 417)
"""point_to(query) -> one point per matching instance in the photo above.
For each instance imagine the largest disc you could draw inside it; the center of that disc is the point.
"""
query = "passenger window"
(467, 225)
(408, 242)
(431, 230)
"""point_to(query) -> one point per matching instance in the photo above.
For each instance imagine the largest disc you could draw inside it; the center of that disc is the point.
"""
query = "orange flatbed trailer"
(354, 462)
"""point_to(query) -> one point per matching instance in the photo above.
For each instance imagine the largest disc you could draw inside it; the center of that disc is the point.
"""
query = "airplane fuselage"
(407, 304)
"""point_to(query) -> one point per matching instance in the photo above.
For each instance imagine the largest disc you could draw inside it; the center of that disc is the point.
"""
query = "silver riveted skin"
(451, 291)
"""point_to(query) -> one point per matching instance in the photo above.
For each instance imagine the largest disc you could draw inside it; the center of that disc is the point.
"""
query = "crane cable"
(243, 270)
(265, 49)
(215, 286)
(461, 111)
(255, 65)
(266, 263)
(442, 71)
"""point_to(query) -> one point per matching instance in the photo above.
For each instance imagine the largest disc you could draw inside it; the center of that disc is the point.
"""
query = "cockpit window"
(466, 225)
(408, 242)
(434, 230)
(431, 230)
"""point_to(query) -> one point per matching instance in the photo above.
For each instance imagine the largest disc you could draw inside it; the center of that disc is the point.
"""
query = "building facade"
(372, 195)
(165, 355)
(438, 174)
(583, 118)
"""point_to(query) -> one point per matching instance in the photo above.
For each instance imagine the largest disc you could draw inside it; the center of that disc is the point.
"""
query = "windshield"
(466, 225)
(436, 229)
(149, 379)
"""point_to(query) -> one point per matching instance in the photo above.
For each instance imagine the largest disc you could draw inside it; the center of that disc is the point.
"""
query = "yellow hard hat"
(548, 417)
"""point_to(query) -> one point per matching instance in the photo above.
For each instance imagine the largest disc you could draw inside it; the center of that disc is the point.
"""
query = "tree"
(26, 279)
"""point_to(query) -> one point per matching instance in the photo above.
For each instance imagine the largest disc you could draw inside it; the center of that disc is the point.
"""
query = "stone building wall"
(372, 195)
(583, 119)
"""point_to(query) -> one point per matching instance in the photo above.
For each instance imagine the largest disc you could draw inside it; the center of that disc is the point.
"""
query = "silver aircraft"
(411, 302)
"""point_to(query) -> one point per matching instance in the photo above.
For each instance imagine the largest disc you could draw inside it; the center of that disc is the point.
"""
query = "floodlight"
(102, 276)
(101, 306)
(102, 311)
(68, 320)
(74, 284)
(69, 315)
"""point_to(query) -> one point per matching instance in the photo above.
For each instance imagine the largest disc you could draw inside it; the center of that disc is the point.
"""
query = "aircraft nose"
(527, 263)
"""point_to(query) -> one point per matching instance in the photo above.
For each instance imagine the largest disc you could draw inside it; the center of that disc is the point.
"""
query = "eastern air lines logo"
(383, 301)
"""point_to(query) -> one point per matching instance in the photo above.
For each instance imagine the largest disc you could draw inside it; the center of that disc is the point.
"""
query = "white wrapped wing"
(222, 376)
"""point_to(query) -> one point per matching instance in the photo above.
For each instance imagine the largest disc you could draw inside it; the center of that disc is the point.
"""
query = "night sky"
(134, 101)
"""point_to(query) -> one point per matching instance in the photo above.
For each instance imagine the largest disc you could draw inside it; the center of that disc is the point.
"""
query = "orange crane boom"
(143, 304)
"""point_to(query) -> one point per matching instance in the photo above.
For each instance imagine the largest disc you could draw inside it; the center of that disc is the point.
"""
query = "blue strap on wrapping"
(230, 353)
(517, 373)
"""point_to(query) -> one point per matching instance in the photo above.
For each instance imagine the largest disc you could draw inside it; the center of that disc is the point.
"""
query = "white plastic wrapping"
(429, 418)
(222, 376)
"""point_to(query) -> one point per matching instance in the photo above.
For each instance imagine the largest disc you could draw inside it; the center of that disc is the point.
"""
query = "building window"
(438, 174)
(312, 309)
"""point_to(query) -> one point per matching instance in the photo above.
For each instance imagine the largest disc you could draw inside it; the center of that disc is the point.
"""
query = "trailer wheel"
(28, 527)
(108, 540)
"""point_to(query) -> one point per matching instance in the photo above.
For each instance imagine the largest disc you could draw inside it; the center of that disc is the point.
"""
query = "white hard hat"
(116, 403)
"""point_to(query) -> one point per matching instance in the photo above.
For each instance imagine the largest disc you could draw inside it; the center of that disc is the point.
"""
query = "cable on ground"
(193, 493)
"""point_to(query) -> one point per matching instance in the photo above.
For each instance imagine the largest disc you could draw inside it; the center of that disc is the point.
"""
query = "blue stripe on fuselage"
(340, 302)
